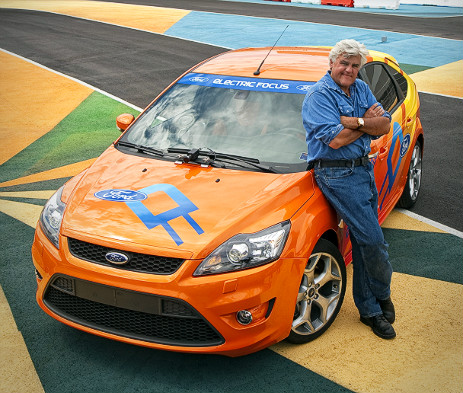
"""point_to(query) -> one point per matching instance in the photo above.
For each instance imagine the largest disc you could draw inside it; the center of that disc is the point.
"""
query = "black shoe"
(387, 307)
(381, 327)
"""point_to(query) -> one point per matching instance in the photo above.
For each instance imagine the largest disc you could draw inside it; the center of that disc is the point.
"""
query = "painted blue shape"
(185, 207)
(236, 31)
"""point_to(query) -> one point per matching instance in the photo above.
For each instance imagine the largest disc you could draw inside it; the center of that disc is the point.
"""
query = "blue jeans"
(353, 194)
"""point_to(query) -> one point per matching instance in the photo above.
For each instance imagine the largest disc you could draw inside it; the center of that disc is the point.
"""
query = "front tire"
(321, 293)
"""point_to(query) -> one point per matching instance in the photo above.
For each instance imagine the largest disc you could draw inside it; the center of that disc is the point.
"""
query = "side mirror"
(124, 120)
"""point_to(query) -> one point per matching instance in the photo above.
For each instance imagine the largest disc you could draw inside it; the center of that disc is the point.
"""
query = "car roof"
(290, 63)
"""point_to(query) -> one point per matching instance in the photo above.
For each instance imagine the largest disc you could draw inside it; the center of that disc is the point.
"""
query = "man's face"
(344, 71)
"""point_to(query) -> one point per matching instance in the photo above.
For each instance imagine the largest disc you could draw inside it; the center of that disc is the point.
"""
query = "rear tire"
(413, 184)
(321, 293)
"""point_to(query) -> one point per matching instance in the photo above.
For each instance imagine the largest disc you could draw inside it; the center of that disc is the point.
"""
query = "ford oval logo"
(200, 79)
(116, 258)
(303, 87)
(121, 195)
(405, 145)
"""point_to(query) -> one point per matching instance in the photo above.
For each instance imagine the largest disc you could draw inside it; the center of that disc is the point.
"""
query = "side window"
(400, 79)
(381, 84)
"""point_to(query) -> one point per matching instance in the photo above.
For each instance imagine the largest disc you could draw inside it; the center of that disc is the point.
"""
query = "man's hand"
(374, 111)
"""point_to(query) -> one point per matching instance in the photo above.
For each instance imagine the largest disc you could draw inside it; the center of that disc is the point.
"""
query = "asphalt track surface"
(438, 27)
(135, 66)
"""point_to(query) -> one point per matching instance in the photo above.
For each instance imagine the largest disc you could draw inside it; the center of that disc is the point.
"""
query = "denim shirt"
(323, 105)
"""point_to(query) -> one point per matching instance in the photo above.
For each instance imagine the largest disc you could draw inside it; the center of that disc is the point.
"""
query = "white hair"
(349, 48)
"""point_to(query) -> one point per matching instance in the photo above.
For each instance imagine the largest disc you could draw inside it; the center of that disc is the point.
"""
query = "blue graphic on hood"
(244, 83)
(185, 207)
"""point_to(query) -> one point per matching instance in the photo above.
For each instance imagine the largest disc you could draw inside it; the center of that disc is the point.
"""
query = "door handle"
(383, 152)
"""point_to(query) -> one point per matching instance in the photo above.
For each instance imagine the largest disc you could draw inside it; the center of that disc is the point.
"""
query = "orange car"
(200, 229)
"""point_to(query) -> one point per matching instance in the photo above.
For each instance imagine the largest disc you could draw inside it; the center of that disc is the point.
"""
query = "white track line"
(428, 221)
(74, 79)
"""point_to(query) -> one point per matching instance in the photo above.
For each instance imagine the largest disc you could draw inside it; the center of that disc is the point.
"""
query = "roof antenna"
(257, 72)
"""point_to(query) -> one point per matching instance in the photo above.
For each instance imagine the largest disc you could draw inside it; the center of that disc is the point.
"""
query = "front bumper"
(174, 311)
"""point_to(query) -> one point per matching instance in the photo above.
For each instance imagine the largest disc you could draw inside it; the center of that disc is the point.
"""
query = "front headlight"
(51, 217)
(245, 251)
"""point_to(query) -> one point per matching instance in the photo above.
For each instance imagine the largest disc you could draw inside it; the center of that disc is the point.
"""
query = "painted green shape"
(53, 184)
(426, 254)
(85, 133)
(32, 201)
(412, 68)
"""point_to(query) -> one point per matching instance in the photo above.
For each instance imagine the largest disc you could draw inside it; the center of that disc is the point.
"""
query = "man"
(341, 117)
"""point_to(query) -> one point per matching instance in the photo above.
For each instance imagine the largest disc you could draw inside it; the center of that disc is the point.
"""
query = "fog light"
(244, 317)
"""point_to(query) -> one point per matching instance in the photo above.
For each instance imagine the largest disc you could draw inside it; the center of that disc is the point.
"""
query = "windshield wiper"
(191, 155)
(142, 149)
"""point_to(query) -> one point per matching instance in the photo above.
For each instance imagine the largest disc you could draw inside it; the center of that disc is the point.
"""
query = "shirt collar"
(330, 83)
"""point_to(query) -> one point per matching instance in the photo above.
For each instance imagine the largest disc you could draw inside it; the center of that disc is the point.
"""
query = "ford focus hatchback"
(200, 229)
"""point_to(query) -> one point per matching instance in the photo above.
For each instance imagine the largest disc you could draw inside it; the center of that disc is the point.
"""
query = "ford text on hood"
(200, 229)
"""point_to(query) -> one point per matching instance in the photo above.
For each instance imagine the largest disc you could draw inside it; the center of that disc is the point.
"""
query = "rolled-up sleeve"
(321, 117)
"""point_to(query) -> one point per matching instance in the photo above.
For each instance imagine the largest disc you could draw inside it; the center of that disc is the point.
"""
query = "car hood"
(139, 203)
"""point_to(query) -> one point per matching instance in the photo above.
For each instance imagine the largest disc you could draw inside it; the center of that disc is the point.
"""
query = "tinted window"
(381, 84)
(401, 81)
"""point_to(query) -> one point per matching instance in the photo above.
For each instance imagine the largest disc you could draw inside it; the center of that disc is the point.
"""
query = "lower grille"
(142, 316)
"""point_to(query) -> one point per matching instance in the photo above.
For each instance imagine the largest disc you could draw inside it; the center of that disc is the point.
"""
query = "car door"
(388, 152)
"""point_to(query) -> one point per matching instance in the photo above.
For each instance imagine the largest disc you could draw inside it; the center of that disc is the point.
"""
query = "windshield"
(263, 123)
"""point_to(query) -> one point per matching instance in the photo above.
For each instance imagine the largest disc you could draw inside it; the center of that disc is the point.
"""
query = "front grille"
(174, 322)
(143, 263)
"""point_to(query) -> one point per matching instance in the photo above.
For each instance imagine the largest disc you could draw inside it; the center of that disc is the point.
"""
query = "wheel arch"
(332, 237)
(325, 277)
(420, 139)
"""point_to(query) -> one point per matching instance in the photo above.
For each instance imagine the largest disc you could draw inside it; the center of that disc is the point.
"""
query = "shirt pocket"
(363, 104)
(345, 109)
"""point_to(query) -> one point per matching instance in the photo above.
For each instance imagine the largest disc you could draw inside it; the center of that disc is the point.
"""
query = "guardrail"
(389, 4)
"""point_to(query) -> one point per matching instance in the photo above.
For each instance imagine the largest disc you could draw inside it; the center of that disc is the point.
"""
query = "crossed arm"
(375, 124)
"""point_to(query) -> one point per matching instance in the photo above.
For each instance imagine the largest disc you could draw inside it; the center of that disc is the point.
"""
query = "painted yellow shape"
(17, 372)
(446, 79)
(57, 173)
(426, 356)
(154, 19)
(397, 220)
(29, 194)
(34, 101)
(25, 212)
